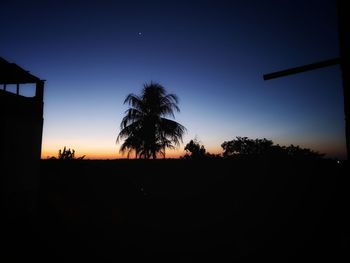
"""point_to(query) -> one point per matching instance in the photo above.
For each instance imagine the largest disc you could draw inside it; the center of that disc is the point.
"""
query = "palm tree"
(145, 128)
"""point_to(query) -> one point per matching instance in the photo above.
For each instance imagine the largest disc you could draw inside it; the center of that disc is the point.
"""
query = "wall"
(21, 122)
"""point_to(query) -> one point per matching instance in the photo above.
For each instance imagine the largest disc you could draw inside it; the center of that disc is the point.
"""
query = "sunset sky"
(212, 54)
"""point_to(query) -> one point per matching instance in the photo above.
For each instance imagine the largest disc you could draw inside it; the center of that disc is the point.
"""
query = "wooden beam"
(296, 70)
(344, 61)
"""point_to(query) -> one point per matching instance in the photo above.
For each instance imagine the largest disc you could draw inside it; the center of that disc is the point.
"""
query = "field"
(188, 211)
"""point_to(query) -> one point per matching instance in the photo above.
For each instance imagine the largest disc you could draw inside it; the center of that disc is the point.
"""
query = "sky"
(211, 54)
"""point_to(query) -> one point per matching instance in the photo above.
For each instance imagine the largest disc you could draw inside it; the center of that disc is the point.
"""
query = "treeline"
(239, 148)
(246, 148)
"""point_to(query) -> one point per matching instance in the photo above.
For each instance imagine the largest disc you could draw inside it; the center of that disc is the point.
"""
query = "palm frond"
(132, 115)
(133, 100)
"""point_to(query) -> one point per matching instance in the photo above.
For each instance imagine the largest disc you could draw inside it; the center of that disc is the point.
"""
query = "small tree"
(194, 150)
(68, 154)
(246, 146)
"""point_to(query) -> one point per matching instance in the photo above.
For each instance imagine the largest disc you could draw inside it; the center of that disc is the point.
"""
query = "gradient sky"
(212, 54)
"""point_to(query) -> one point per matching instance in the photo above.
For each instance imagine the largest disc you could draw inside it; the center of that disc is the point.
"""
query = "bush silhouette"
(68, 154)
(194, 150)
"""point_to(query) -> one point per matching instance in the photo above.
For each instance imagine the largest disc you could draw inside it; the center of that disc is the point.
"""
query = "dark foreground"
(185, 211)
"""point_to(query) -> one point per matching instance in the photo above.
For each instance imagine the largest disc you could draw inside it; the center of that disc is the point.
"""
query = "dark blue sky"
(212, 54)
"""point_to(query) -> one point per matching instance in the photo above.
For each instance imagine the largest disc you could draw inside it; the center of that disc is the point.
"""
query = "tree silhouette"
(246, 147)
(68, 154)
(195, 150)
(145, 128)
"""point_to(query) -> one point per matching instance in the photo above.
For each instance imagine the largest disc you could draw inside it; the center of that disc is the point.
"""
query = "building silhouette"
(21, 120)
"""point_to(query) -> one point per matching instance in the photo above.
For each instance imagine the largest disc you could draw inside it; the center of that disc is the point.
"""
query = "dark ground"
(186, 211)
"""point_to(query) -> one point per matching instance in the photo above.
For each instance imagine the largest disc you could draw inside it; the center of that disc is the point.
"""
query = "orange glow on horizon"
(108, 153)
(91, 154)
(104, 152)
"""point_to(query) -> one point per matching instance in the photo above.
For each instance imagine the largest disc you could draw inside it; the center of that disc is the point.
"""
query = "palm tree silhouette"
(145, 128)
